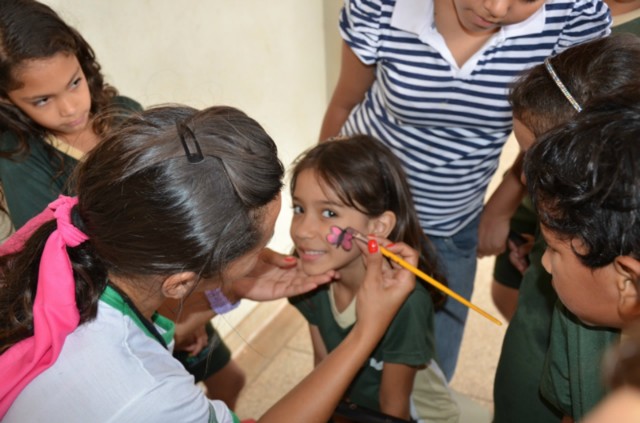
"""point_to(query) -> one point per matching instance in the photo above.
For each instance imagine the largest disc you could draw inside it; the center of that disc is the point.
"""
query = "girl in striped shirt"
(430, 79)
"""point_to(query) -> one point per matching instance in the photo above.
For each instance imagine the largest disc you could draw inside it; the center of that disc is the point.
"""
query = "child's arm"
(354, 81)
(319, 349)
(395, 389)
(494, 222)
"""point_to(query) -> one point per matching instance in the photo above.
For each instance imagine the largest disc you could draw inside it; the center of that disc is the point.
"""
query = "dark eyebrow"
(333, 204)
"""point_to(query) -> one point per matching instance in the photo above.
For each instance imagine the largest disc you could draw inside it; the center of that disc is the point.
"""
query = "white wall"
(264, 57)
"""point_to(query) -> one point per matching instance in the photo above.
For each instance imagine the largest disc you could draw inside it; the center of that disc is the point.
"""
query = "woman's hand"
(277, 276)
(385, 286)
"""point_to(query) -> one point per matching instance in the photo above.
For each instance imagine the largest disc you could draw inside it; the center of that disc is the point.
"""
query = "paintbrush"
(401, 262)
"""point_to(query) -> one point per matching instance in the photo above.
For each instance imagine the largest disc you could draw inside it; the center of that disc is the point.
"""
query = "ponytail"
(45, 268)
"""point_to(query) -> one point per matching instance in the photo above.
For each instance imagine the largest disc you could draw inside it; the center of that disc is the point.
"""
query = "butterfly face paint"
(341, 238)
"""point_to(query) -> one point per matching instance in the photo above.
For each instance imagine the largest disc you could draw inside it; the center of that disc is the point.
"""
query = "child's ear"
(628, 269)
(179, 285)
(383, 224)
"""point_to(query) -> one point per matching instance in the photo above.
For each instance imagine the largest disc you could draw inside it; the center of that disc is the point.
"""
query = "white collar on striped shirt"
(416, 16)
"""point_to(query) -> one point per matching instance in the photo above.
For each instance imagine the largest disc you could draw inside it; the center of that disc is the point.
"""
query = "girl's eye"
(297, 209)
(41, 102)
(76, 82)
(328, 213)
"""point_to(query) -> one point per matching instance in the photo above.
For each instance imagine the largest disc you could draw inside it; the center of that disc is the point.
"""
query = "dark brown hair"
(367, 176)
(149, 211)
(584, 178)
(589, 70)
(30, 30)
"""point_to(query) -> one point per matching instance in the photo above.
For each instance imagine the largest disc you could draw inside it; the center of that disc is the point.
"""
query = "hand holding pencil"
(428, 279)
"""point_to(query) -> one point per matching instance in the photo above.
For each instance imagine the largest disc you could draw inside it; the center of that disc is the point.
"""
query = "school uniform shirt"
(448, 123)
(33, 181)
(113, 370)
(409, 340)
(521, 366)
(572, 374)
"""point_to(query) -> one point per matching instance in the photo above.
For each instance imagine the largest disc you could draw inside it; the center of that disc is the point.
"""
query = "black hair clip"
(183, 132)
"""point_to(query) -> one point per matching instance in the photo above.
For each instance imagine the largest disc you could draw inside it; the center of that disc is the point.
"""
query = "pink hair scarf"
(55, 314)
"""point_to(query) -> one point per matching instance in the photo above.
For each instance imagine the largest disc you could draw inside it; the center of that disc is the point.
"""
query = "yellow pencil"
(427, 278)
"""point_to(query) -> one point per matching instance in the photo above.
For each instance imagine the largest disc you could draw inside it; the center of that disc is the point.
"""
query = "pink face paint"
(341, 238)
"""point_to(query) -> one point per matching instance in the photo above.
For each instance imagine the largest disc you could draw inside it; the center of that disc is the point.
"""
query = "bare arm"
(379, 298)
(319, 349)
(354, 81)
(395, 389)
(494, 222)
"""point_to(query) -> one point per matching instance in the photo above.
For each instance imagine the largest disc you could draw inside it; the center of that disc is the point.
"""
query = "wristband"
(219, 302)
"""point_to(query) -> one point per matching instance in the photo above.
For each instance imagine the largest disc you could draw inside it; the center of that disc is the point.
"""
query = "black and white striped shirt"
(447, 124)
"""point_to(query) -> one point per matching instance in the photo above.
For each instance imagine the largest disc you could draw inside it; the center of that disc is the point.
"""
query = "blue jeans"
(457, 256)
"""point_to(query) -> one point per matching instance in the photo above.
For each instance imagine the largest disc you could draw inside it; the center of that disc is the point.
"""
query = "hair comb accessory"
(186, 134)
(55, 314)
(563, 88)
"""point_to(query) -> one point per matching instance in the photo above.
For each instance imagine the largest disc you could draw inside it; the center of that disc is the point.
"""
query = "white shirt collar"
(416, 16)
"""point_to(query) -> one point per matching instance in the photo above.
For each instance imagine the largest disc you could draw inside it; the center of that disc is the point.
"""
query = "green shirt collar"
(111, 297)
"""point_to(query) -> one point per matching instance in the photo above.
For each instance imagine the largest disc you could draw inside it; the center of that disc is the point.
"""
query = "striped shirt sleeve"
(588, 19)
(360, 28)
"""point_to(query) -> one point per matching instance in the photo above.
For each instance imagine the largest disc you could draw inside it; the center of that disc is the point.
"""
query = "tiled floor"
(279, 356)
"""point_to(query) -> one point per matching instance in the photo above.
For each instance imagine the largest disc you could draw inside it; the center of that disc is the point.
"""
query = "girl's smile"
(310, 255)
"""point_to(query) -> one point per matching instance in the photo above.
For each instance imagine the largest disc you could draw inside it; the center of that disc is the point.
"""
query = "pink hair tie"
(55, 314)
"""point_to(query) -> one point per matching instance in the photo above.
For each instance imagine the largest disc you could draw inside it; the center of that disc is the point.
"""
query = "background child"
(584, 180)
(587, 71)
(430, 80)
(357, 182)
(500, 213)
(52, 95)
(55, 106)
(111, 267)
